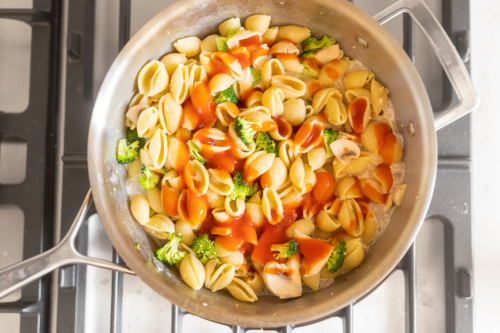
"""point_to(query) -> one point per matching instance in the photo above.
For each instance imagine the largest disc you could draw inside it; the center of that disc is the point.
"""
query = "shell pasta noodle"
(262, 159)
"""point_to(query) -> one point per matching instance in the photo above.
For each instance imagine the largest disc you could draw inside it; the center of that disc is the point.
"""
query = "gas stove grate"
(46, 20)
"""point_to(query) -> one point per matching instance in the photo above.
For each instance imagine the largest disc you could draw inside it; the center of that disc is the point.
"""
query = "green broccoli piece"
(204, 248)
(313, 44)
(264, 142)
(227, 95)
(132, 136)
(285, 250)
(256, 78)
(126, 153)
(149, 178)
(231, 33)
(308, 54)
(337, 257)
(137, 246)
(241, 189)
(170, 252)
(308, 70)
(329, 136)
(195, 152)
(222, 44)
(244, 130)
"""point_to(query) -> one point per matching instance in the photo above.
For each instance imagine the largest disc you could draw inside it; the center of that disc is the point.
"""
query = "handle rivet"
(361, 42)
(411, 128)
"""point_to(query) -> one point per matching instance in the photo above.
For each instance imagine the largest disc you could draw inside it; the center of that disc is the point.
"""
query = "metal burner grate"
(37, 195)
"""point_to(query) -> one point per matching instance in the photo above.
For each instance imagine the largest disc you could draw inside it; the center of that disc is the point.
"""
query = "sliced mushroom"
(283, 280)
(345, 148)
(328, 54)
(134, 112)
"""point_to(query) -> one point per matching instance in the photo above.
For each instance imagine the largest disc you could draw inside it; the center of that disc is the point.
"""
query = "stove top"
(56, 56)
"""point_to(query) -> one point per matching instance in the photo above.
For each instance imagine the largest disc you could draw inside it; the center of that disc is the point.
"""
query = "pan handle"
(446, 53)
(64, 253)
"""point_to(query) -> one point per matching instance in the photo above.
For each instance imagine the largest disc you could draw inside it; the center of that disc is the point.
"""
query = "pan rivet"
(411, 129)
(361, 42)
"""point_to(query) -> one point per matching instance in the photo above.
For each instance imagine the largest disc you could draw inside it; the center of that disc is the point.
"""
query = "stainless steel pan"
(350, 26)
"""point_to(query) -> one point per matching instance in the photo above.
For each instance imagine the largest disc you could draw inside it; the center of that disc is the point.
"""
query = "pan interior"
(337, 18)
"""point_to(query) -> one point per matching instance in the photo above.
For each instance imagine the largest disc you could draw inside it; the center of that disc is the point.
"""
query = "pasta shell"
(316, 158)
(158, 149)
(230, 61)
(291, 62)
(205, 58)
(221, 278)
(153, 78)
(284, 47)
(351, 95)
(272, 206)
(359, 113)
(144, 156)
(284, 130)
(190, 46)
(358, 164)
(294, 110)
(333, 208)
(160, 226)
(273, 99)
(183, 228)
(258, 23)
(172, 60)
(134, 169)
(351, 218)
(178, 154)
(227, 25)
(179, 85)
(378, 96)
(209, 44)
(254, 213)
(234, 207)
(269, 69)
(370, 228)
(154, 200)
(328, 54)
(294, 33)
(312, 281)
(241, 291)
(270, 36)
(399, 195)
(220, 215)
(170, 113)
(292, 199)
(320, 234)
(354, 254)
(237, 259)
(258, 163)
(322, 97)
(332, 72)
(192, 271)
(302, 177)
(241, 34)
(209, 270)
(326, 222)
(373, 190)
(291, 86)
(336, 111)
(226, 112)
(283, 280)
(305, 226)
(138, 99)
(134, 112)
(220, 181)
(255, 282)
(140, 208)
(275, 176)
(220, 82)
(147, 121)
(348, 188)
(197, 74)
(220, 250)
(312, 87)
(214, 200)
(287, 152)
(384, 176)
(196, 177)
(357, 79)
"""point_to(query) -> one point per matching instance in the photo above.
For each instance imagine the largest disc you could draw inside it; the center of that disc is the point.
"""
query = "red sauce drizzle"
(357, 110)
(308, 136)
(243, 232)
(250, 41)
(313, 250)
(284, 127)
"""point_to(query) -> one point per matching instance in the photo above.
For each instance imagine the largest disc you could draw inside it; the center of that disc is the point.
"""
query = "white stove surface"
(383, 310)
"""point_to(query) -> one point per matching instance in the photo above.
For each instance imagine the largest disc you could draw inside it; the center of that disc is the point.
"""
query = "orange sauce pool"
(199, 109)
(313, 250)
(242, 56)
(216, 66)
(309, 135)
(357, 109)
(321, 193)
(243, 232)
(250, 41)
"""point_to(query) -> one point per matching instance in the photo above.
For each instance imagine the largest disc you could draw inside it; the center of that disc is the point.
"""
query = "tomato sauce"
(330, 71)
(357, 110)
(216, 66)
(313, 251)
(250, 41)
(284, 127)
(313, 88)
(197, 207)
(257, 52)
(169, 200)
(241, 55)
(384, 175)
(199, 109)
(309, 135)
(243, 231)
(387, 150)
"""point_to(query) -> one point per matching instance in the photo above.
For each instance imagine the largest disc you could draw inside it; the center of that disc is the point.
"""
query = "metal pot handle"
(446, 53)
(64, 253)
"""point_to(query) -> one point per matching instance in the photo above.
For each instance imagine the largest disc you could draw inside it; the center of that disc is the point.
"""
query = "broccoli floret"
(329, 136)
(308, 70)
(244, 130)
(241, 189)
(285, 250)
(204, 248)
(195, 152)
(308, 54)
(227, 95)
(231, 33)
(337, 257)
(170, 252)
(256, 78)
(264, 142)
(149, 179)
(132, 136)
(137, 246)
(126, 153)
(222, 44)
(313, 44)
